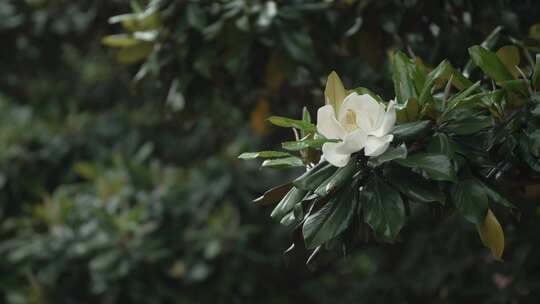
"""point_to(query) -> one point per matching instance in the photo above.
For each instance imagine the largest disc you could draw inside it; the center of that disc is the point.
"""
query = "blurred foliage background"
(119, 181)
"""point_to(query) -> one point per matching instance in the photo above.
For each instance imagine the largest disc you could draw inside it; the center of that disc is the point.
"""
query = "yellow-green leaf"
(134, 54)
(120, 40)
(509, 55)
(335, 91)
(534, 31)
(492, 235)
(408, 112)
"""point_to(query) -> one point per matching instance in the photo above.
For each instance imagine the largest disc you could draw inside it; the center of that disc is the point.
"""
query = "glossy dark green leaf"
(470, 125)
(458, 79)
(285, 162)
(435, 166)
(403, 83)
(273, 195)
(288, 202)
(526, 154)
(456, 99)
(470, 198)
(292, 123)
(332, 219)
(536, 73)
(392, 153)
(411, 131)
(496, 197)
(413, 186)
(263, 154)
(441, 144)
(314, 177)
(488, 43)
(489, 63)
(338, 178)
(519, 86)
(383, 209)
(430, 81)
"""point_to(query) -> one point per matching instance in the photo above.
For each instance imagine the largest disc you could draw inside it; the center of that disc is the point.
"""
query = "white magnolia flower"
(359, 122)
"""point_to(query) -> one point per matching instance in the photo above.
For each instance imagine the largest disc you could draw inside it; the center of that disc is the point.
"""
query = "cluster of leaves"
(119, 183)
(457, 143)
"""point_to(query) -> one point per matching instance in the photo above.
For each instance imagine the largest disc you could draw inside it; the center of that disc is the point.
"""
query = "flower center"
(350, 121)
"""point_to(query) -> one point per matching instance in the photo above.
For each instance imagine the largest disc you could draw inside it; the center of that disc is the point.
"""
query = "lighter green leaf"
(263, 154)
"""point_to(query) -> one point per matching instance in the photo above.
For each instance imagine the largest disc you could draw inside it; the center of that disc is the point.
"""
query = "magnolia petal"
(366, 108)
(335, 158)
(376, 146)
(327, 123)
(386, 121)
(353, 142)
(335, 91)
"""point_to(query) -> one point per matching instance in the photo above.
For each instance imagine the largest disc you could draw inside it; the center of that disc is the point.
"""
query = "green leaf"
(263, 154)
(306, 117)
(471, 200)
(456, 99)
(288, 202)
(273, 195)
(536, 73)
(401, 76)
(519, 86)
(470, 125)
(488, 43)
(392, 153)
(285, 162)
(408, 112)
(458, 79)
(497, 198)
(332, 219)
(306, 143)
(415, 187)
(338, 178)
(489, 63)
(440, 144)
(509, 56)
(292, 123)
(526, 152)
(435, 166)
(411, 131)
(314, 177)
(383, 209)
(430, 81)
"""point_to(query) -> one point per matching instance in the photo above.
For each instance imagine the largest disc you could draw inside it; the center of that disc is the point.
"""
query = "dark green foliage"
(121, 183)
